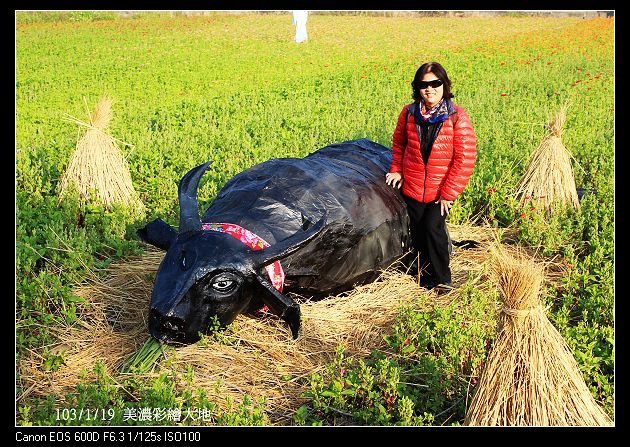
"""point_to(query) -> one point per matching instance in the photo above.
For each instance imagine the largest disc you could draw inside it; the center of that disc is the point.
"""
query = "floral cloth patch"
(255, 242)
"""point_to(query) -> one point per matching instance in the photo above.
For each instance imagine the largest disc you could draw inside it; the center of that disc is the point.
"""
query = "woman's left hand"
(445, 205)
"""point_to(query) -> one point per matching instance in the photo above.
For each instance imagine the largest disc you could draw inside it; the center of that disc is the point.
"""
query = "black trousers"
(430, 238)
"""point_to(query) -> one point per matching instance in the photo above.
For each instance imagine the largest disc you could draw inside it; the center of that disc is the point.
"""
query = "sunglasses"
(434, 84)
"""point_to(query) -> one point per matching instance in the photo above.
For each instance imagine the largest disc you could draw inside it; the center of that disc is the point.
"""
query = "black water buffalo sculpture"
(329, 219)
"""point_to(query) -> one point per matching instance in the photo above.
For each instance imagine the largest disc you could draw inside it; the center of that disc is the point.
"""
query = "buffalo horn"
(189, 219)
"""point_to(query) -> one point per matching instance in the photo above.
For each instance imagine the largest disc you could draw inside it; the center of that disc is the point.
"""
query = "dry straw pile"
(258, 356)
(549, 176)
(531, 377)
(97, 168)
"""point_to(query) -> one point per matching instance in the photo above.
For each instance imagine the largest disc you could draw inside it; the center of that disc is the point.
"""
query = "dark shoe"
(443, 288)
(427, 284)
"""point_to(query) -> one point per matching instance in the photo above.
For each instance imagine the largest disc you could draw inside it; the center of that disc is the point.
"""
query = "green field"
(236, 89)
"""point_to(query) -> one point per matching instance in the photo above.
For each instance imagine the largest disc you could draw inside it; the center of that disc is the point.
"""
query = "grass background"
(237, 90)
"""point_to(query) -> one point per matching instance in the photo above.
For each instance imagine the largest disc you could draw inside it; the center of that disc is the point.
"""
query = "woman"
(434, 149)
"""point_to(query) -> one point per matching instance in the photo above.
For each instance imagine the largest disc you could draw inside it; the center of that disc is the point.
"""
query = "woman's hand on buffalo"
(394, 178)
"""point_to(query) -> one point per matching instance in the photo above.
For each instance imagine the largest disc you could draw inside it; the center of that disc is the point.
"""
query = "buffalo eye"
(224, 283)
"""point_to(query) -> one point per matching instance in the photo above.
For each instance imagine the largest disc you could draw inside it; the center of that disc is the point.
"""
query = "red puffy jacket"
(450, 164)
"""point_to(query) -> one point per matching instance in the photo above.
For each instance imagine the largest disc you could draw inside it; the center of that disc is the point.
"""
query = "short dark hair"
(437, 70)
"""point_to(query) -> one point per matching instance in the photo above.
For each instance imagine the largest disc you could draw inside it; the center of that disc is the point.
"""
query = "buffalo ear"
(282, 306)
(284, 248)
(158, 233)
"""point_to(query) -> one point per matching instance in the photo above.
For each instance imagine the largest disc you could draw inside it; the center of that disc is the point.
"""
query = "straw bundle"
(97, 168)
(549, 176)
(531, 377)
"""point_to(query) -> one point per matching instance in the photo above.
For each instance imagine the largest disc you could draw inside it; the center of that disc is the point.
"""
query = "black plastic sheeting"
(367, 226)
(329, 218)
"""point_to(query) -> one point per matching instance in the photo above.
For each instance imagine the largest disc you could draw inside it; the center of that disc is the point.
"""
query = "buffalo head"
(207, 274)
